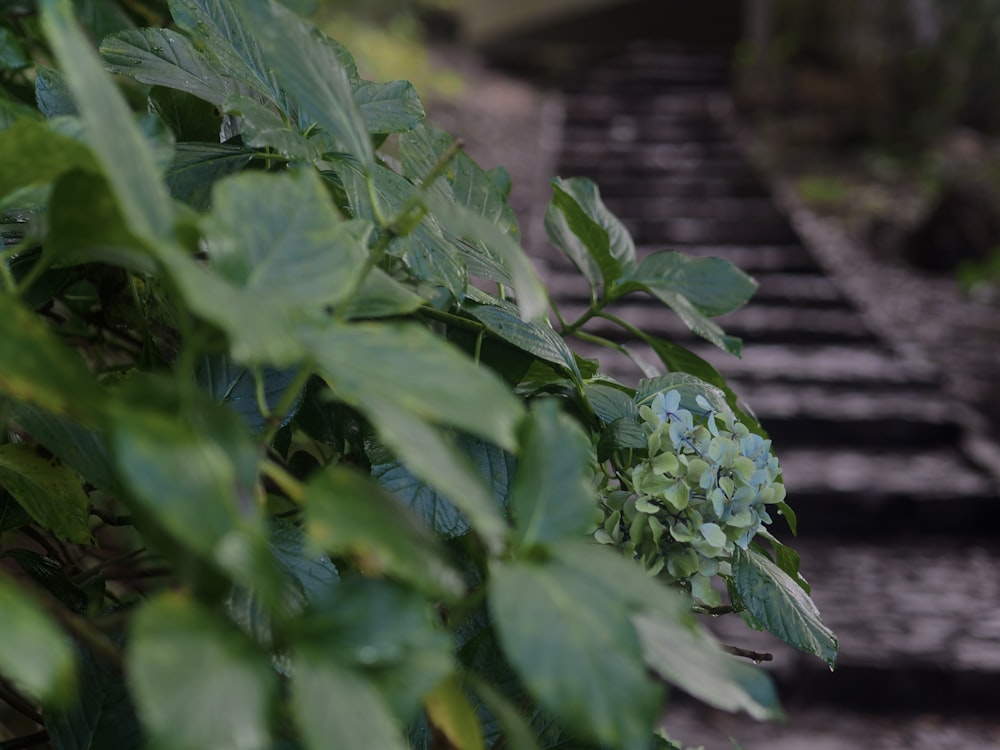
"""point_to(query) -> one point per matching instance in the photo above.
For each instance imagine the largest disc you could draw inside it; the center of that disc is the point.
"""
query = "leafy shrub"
(278, 474)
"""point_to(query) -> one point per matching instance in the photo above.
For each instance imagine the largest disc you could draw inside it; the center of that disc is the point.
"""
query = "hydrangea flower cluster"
(701, 491)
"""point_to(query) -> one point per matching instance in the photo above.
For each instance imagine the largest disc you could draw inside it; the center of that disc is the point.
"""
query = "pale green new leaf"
(552, 498)
(34, 654)
(51, 492)
(579, 224)
(197, 681)
(349, 514)
(780, 605)
(125, 155)
(161, 57)
(576, 650)
(448, 709)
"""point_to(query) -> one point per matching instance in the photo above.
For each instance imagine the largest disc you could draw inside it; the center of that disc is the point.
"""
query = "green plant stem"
(396, 226)
(755, 656)
(292, 487)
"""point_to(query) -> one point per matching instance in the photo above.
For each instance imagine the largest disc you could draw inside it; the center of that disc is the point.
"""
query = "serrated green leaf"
(101, 714)
(535, 337)
(50, 491)
(34, 654)
(391, 107)
(348, 513)
(262, 127)
(198, 166)
(51, 94)
(236, 386)
(780, 605)
(579, 224)
(464, 181)
(196, 680)
(689, 386)
(190, 119)
(50, 576)
(36, 368)
(86, 450)
(679, 360)
(279, 236)
(693, 661)
(424, 248)
(624, 433)
(786, 558)
(335, 706)
(610, 402)
(576, 650)
(436, 510)
(115, 139)
(161, 57)
(381, 296)
(406, 367)
(195, 475)
(310, 71)
(713, 285)
(552, 498)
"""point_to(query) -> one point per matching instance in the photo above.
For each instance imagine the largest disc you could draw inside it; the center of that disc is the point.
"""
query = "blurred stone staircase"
(898, 523)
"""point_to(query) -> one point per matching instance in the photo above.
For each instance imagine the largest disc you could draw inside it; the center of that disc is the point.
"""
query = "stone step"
(881, 493)
(719, 209)
(662, 129)
(698, 231)
(918, 620)
(620, 186)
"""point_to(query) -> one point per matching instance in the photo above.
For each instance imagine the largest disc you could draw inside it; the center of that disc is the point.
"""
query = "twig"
(756, 656)
(110, 518)
(28, 740)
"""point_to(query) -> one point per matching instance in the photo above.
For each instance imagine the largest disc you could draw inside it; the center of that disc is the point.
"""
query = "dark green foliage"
(274, 473)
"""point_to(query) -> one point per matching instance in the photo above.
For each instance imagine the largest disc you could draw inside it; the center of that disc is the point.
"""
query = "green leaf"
(714, 286)
(116, 140)
(86, 450)
(51, 94)
(12, 53)
(786, 558)
(552, 498)
(694, 288)
(381, 296)
(198, 166)
(34, 154)
(689, 386)
(780, 605)
(679, 360)
(576, 650)
(51, 576)
(262, 127)
(36, 368)
(464, 181)
(236, 386)
(161, 57)
(279, 237)
(197, 681)
(101, 714)
(195, 474)
(34, 653)
(406, 367)
(450, 713)
(392, 107)
(349, 514)
(592, 237)
(50, 491)
(424, 247)
(436, 510)
(515, 728)
(624, 433)
(535, 337)
(335, 706)
(308, 576)
(610, 403)
(312, 74)
(692, 660)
